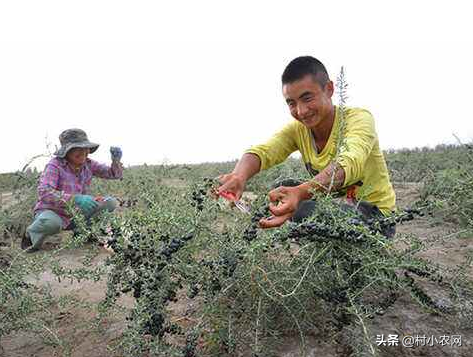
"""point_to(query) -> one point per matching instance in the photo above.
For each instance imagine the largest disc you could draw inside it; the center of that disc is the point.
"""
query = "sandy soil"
(5, 199)
(405, 317)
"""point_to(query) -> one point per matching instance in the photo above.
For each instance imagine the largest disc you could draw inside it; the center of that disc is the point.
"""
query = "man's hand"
(283, 204)
(246, 168)
(232, 183)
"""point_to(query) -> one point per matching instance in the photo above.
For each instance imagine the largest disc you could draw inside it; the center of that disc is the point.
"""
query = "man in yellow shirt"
(358, 167)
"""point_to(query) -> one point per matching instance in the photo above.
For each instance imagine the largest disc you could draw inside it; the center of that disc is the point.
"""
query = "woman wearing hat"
(65, 180)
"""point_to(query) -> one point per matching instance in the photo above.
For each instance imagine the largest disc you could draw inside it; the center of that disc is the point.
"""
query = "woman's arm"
(113, 172)
(48, 188)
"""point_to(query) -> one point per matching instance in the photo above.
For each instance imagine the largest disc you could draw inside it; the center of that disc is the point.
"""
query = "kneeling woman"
(65, 180)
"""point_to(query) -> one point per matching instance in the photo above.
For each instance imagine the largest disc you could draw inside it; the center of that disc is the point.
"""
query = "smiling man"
(358, 171)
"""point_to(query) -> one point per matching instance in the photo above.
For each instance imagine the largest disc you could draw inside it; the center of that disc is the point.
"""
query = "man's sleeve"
(278, 148)
(359, 138)
(48, 188)
(107, 172)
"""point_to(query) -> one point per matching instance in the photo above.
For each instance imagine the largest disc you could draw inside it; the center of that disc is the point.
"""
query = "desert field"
(175, 272)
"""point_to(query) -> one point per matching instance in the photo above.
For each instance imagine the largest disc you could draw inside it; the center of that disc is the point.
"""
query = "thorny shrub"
(245, 288)
(451, 189)
(206, 280)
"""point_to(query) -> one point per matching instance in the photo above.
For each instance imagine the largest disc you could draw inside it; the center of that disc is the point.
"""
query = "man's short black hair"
(299, 67)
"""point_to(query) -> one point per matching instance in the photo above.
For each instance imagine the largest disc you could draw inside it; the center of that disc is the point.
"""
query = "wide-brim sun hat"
(74, 138)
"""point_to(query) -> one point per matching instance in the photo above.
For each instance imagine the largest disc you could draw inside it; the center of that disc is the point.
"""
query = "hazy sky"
(200, 81)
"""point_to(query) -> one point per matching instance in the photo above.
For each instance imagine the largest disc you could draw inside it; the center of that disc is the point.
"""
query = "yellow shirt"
(359, 155)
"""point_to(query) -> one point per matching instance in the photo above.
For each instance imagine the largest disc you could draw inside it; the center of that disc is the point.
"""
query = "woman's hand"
(116, 153)
(86, 203)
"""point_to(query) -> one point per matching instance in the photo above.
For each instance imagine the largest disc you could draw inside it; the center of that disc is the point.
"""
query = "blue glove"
(116, 153)
(86, 203)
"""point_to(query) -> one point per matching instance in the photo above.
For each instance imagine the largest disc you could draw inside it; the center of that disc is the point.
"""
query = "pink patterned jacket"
(59, 182)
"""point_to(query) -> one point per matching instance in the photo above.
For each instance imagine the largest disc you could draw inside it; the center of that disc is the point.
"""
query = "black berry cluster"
(200, 193)
(221, 268)
(146, 276)
(128, 202)
(251, 232)
(175, 245)
(191, 345)
(319, 230)
(381, 224)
